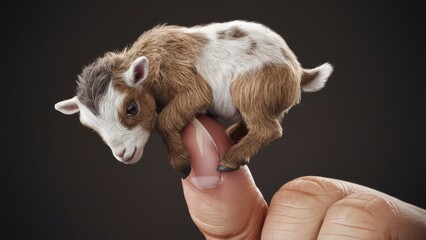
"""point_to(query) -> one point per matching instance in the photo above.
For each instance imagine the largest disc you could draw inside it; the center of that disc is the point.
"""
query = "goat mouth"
(130, 159)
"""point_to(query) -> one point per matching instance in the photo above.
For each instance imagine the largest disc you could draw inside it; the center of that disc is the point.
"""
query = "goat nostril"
(121, 154)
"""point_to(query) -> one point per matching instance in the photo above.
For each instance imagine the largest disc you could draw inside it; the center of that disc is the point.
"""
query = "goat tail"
(314, 79)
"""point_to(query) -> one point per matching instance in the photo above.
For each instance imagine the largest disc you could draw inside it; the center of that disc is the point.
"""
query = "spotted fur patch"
(231, 33)
(93, 83)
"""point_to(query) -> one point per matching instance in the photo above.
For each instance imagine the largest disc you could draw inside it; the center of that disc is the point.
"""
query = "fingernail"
(204, 157)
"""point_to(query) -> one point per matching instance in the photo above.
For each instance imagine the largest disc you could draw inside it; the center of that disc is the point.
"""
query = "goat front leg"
(175, 115)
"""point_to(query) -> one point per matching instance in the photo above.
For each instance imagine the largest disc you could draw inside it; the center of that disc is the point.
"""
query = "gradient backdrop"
(61, 182)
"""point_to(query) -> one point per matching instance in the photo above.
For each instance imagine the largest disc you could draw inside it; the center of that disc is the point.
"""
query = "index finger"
(231, 206)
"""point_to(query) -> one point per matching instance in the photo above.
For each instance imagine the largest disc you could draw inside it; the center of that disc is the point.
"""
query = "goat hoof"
(226, 169)
(185, 172)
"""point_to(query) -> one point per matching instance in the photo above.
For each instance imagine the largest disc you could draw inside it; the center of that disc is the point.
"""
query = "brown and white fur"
(240, 71)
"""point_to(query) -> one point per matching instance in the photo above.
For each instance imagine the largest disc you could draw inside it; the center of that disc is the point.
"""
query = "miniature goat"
(239, 71)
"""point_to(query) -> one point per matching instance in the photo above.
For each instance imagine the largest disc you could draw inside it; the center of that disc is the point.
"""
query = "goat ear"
(68, 107)
(137, 72)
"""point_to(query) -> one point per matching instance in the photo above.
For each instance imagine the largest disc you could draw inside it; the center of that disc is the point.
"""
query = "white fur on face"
(224, 60)
(126, 144)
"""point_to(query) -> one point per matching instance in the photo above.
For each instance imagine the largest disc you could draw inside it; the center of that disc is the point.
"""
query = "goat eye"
(132, 109)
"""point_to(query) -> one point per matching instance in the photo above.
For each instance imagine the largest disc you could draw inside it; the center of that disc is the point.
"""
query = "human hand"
(228, 205)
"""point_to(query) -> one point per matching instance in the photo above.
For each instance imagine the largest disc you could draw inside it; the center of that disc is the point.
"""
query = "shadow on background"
(366, 126)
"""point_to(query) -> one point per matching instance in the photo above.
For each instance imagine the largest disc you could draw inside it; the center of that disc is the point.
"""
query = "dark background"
(61, 182)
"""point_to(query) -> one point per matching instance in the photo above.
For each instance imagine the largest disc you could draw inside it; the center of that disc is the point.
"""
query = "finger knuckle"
(361, 214)
(376, 205)
(306, 192)
(311, 185)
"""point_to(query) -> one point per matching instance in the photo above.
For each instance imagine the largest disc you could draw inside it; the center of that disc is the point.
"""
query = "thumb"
(221, 204)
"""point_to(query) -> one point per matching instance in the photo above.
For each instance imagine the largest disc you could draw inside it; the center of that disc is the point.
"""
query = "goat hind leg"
(261, 131)
(237, 131)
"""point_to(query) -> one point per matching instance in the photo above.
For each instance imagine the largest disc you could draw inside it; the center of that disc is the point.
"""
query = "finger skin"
(296, 211)
(324, 208)
(232, 209)
(305, 208)
(367, 215)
